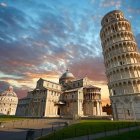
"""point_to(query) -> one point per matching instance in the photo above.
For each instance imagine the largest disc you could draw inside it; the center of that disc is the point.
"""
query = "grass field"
(132, 135)
(88, 127)
(5, 118)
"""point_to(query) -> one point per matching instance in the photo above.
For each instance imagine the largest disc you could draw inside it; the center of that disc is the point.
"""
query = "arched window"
(114, 92)
(128, 112)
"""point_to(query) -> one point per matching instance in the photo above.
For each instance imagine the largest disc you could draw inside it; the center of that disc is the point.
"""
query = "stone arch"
(119, 25)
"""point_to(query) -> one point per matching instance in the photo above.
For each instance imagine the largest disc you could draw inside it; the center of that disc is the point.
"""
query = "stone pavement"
(103, 134)
(17, 130)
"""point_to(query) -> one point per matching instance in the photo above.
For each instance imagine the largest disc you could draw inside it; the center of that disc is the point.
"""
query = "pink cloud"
(91, 67)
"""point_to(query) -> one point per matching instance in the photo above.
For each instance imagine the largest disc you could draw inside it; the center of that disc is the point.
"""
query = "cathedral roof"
(9, 92)
(91, 86)
(67, 74)
(71, 90)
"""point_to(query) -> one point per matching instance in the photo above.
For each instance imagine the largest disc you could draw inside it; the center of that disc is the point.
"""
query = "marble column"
(133, 110)
(124, 112)
(98, 108)
(116, 112)
(94, 109)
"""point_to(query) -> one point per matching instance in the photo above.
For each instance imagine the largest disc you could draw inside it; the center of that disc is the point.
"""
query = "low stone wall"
(109, 117)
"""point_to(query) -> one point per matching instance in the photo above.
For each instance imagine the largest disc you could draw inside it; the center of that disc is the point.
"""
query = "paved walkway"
(103, 134)
(17, 130)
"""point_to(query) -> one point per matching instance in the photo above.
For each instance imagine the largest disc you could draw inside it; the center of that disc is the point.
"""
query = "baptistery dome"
(67, 76)
(9, 92)
(8, 102)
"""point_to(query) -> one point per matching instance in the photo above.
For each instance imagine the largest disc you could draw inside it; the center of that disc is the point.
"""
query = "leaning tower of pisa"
(122, 63)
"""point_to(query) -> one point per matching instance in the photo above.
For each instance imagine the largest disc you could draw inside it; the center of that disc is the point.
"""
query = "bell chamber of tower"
(122, 63)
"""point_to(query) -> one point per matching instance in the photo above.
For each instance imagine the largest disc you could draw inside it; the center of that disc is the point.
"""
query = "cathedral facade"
(68, 98)
(122, 62)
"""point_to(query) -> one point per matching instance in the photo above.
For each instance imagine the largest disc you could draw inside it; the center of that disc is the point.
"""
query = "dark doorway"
(58, 111)
(128, 112)
(8, 113)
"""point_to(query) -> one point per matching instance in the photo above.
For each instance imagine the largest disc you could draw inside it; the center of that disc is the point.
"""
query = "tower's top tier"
(112, 16)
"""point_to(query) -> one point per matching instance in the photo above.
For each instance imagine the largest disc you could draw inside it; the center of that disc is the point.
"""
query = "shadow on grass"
(131, 135)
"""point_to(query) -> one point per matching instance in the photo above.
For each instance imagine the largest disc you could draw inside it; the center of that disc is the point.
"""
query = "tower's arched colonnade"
(122, 62)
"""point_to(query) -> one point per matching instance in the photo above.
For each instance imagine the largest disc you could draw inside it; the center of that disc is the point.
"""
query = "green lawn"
(5, 118)
(88, 127)
(132, 135)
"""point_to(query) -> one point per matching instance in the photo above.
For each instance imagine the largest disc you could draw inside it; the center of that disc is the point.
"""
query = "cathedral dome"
(67, 76)
(9, 92)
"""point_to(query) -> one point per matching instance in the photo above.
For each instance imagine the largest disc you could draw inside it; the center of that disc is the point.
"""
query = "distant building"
(8, 102)
(122, 62)
(69, 98)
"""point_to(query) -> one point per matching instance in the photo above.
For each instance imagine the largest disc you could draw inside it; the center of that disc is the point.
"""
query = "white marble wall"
(8, 105)
(126, 107)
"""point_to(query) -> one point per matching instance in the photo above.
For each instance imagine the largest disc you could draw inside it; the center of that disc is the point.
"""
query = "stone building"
(122, 62)
(8, 102)
(69, 98)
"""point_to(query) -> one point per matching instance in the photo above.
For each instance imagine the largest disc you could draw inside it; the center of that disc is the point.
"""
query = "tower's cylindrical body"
(122, 62)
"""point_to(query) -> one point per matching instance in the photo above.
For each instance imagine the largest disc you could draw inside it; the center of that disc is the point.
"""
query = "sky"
(42, 38)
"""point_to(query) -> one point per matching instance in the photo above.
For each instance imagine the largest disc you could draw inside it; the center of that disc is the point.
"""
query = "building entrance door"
(58, 111)
(8, 113)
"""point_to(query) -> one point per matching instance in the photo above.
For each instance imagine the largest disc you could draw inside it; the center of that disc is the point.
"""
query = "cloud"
(50, 47)
(133, 10)
(19, 58)
(3, 85)
(2, 4)
(90, 67)
(41, 39)
(16, 53)
(12, 20)
(110, 3)
(138, 40)
(20, 91)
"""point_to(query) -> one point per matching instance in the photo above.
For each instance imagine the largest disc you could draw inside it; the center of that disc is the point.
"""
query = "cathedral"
(70, 97)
